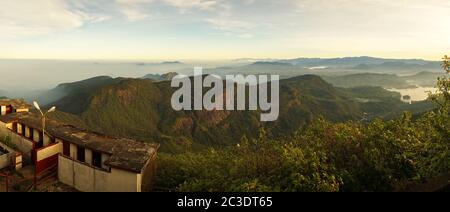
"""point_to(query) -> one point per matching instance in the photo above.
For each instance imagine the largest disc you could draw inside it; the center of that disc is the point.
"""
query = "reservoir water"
(416, 94)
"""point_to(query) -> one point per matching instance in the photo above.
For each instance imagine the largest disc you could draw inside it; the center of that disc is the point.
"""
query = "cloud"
(232, 27)
(25, 18)
(185, 5)
(134, 10)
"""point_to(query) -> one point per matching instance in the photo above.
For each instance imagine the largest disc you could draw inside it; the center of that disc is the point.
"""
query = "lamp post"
(53, 109)
(36, 105)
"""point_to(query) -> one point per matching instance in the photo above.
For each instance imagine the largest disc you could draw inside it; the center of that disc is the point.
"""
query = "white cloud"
(231, 27)
(185, 5)
(25, 18)
(133, 9)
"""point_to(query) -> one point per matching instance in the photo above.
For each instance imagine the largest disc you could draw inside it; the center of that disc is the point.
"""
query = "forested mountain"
(140, 109)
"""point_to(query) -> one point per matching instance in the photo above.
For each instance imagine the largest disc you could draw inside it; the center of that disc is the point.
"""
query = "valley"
(326, 116)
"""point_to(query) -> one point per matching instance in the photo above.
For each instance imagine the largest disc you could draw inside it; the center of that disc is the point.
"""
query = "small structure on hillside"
(85, 160)
(8, 106)
(407, 99)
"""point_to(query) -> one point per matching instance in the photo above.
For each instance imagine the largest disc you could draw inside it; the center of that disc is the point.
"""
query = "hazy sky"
(223, 29)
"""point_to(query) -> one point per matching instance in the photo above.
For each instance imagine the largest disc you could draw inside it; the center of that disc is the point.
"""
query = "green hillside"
(140, 109)
(74, 97)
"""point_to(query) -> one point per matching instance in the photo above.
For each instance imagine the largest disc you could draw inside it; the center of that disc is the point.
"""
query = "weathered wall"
(105, 157)
(47, 157)
(65, 170)
(88, 156)
(47, 140)
(87, 178)
(6, 159)
(3, 128)
(83, 178)
(123, 181)
(36, 135)
(21, 143)
(49, 151)
(28, 131)
(19, 161)
(20, 128)
(2, 110)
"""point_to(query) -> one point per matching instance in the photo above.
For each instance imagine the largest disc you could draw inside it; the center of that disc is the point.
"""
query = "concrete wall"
(21, 143)
(73, 151)
(49, 151)
(105, 157)
(28, 132)
(65, 170)
(47, 140)
(3, 128)
(22, 110)
(36, 135)
(20, 128)
(6, 160)
(19, 161)
(88, 156)
(87, 178)
(2, 110)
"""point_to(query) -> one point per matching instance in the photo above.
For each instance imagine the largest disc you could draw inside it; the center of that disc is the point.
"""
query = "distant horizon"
(223, 59)
(222, 29)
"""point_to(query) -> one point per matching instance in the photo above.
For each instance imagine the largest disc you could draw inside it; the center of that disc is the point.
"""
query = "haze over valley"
(341, 72)
(91, 100)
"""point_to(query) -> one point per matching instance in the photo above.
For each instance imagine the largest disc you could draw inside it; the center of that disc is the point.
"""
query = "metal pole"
(43, 129)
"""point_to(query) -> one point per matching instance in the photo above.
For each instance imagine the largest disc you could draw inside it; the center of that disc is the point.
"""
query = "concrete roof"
(125, 153)
(15, 103)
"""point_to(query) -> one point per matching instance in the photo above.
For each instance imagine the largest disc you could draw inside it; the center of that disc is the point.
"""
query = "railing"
(36, 180)
(6, 176)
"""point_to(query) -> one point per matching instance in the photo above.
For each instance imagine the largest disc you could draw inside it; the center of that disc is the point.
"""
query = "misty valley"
(329, 119)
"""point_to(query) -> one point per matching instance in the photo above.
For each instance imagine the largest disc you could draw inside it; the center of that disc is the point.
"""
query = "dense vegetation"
(140, 109)
(348, 150)
(324, 156)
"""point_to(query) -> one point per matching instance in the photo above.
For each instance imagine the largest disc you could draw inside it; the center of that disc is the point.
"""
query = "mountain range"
(141, 109)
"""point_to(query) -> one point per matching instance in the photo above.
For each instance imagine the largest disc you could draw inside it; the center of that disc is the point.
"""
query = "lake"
(417, 94)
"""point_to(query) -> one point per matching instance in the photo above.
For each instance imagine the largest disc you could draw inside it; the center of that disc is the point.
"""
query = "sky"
(223, 29)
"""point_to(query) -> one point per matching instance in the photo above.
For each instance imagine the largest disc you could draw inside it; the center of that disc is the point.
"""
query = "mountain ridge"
(141, 109)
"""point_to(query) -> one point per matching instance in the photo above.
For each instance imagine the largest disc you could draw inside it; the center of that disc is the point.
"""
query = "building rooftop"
(125, 153)
(15, 103)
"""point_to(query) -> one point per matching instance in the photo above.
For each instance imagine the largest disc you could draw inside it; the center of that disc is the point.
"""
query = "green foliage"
(254, 165)
(324, 156)
(442, 96)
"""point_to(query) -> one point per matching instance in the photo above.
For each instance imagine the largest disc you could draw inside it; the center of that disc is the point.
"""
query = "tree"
(442, 96)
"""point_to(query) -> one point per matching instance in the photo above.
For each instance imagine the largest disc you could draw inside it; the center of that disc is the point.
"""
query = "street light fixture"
(53, 109)
(36, 105)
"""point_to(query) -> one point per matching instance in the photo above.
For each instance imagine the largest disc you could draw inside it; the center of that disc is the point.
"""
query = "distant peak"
(171, 62)
(271, 63)
(161, 63)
